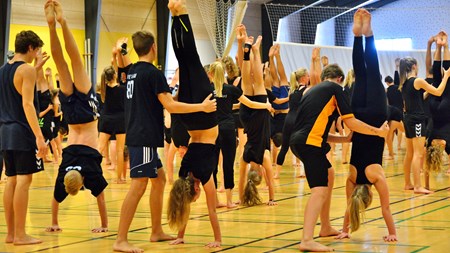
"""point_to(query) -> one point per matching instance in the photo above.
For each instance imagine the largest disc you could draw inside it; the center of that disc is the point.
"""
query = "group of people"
(210, 109)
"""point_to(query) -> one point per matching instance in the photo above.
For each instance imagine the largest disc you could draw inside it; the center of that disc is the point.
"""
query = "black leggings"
(194, 83)
(369, 102)
(287, 131)
(440, 106)
(227, 144)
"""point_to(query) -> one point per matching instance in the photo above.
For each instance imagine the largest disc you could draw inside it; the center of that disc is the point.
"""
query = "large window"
(401, 44)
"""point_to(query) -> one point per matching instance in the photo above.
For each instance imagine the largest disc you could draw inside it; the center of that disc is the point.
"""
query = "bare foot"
(126, 247)
(161, 237)
(26, 240)
(357, 23)
(177, 7)
(220, 205)
(50, 12)
(99, 230)
(231, 205)
(221, 189)
(422, 190)
(257, 45)
(408, 187)
(366, 23)
(58, 11)
(9, 239)
(53, 228)
(314, 246)
(330, 231)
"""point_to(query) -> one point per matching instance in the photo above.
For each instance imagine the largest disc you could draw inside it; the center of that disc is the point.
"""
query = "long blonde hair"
(434, 158)
(180, 198)
(251, 195)
(358, 203)
(217, 71)
(350, 78)
(405, 67)
(73, 182)
(107, 76)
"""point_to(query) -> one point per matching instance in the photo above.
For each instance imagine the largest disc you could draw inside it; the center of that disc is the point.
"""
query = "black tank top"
(413, 99)
(16, 133)
(114, 100)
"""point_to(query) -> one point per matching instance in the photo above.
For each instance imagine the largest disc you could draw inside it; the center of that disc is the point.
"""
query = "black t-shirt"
(394, 97)
(16, 133)
(225, 117)
(316, 109)
(144, 116)
(114, 101)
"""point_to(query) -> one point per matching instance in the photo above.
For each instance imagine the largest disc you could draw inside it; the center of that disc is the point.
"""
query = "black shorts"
(366, 150)
(144, 162)
(394, 114)
(88, 162)
(200, 159)
(57, 121)
(18, 162)
(47, 125)
(414, 126)
(316, 163)
(180, 135)
(112, 124)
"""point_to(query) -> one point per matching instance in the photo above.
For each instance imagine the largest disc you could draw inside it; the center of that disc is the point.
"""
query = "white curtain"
(295, 56)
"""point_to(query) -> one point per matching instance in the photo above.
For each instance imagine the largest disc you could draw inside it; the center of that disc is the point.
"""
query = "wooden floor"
(422, 222)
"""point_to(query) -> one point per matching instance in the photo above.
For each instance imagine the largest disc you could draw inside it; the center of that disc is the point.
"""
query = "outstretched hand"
(342, 235)
(390, 238)
(177, 241)
(41, 59)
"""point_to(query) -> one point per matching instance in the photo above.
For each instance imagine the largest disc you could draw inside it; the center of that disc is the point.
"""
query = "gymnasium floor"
(422, 222)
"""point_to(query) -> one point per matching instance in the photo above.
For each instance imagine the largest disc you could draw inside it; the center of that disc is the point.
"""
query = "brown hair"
(180, 198)
(251, 195)
(332, 71)
(405, 67)
(216, 69)
(73, 182)
(24, 39)
(357, 204)
(350, 78)
(107, 76)
(143, 42)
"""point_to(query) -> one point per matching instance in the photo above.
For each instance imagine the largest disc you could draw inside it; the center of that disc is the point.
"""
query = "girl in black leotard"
(201, 157)
(439, 139)
(369, 105)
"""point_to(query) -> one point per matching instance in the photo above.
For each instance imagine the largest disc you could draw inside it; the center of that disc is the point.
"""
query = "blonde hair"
(107, 76)
(73, 182)
(230, 67)
(216, 69)
(251, 196)
(358, 203)
(434, 158)
(405, 67)
(295, 78)
(180, 198)
(349, 79)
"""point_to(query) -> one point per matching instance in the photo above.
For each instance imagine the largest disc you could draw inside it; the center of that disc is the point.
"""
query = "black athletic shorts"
(200, 159)
(21, 162)
(112, 124)
(144, 162)
(415, 126)
(394, 114)
(167, 135)
(316, 163)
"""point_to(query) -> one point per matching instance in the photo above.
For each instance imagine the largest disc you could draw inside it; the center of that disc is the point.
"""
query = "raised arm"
(316, 67)
(428, 60)
(280, 67)
(419, 83)
(272, 67)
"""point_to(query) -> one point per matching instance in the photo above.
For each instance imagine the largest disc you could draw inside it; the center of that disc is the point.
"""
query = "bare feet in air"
(58, 12)
(366, 23)
(50, 12)
(177, 7)
(357, 23)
